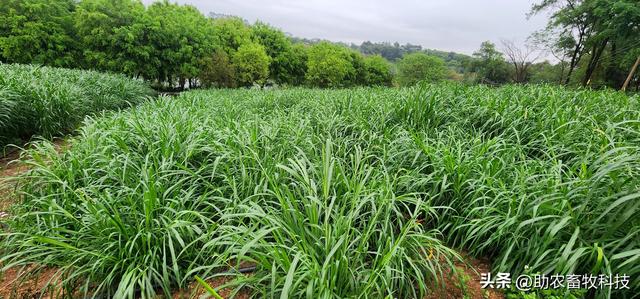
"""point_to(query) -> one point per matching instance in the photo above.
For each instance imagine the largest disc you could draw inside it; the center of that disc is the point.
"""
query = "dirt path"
(466, 283)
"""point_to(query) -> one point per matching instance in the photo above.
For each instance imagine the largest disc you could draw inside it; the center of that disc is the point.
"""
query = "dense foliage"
(597, 41)
(417, 67)
(336, 193)
(53, 101)
(172, 45)
(329, 65)
(176, 46)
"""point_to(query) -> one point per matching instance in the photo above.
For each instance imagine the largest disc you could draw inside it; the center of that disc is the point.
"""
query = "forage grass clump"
(355, 193)
(49, 101)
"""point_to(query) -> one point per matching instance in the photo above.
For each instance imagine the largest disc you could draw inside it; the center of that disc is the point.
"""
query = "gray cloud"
(437, 24)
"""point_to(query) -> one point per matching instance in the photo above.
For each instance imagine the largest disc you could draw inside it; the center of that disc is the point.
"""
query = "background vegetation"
(594, 42)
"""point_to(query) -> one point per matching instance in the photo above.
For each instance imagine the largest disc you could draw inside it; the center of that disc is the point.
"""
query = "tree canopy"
(38, 31)
(417, 67)
(598, 38)
(252, 64)
(329, 65)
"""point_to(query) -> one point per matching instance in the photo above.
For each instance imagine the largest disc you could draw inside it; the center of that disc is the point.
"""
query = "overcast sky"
(449, 25)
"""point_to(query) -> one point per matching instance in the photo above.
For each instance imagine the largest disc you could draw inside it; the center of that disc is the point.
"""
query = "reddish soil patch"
(10, 167)
(465, 281)
(23, 283)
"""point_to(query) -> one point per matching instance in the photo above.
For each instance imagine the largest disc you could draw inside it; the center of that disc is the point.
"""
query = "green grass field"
(358, 193)
(45, 101)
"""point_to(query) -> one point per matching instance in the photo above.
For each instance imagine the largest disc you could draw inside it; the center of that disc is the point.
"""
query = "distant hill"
(394, 51)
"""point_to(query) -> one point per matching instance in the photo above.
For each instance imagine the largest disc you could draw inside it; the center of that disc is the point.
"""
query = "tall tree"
(489, 65)
(181, 38)
(113, 36)
(597, 28)
(38, 31)
(329, 65)
(231, 33)
(278, 47)
(217, 70)
(572, 19)
(251, 64)
(520, 57)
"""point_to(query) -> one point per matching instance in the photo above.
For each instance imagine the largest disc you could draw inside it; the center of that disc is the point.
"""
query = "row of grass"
(355, 193)
(45, 101)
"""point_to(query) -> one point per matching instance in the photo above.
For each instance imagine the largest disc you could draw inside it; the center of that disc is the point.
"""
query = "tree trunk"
(593, 62)
(613, 74)
(633, 70)
(575, 57)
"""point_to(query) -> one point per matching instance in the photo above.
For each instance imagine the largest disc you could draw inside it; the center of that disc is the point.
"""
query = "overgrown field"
(354, 193)
(52, 101)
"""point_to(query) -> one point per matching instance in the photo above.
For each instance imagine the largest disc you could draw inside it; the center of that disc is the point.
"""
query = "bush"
(329, 65)
(53, 101)
(378, 71)
(417, 67)
(217, 71)
(251, 64)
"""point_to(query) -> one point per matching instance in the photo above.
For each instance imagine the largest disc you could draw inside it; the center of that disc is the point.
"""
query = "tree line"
(176, 45)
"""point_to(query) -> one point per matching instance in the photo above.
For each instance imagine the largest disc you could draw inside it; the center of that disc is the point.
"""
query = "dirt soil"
(465, 283)
(24, 283)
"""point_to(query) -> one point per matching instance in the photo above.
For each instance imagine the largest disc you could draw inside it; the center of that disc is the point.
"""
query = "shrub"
(416, 67)
(329, 65)
(251, 64)
(378, 71)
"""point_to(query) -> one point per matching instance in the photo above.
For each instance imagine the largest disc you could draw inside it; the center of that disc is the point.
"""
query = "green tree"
(112, 35)
(360, 72)
(489, 65)
(293, 65)
(251, 64)
(378, 71)
(38, 31)
(217, 71)
(329, 65)
(181, 38)
(231, 33)
(279, 48)
(416, 67)
(603, 32)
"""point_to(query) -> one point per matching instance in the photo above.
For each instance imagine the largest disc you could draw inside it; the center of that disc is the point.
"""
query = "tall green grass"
(52, 101)
(336, 193)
